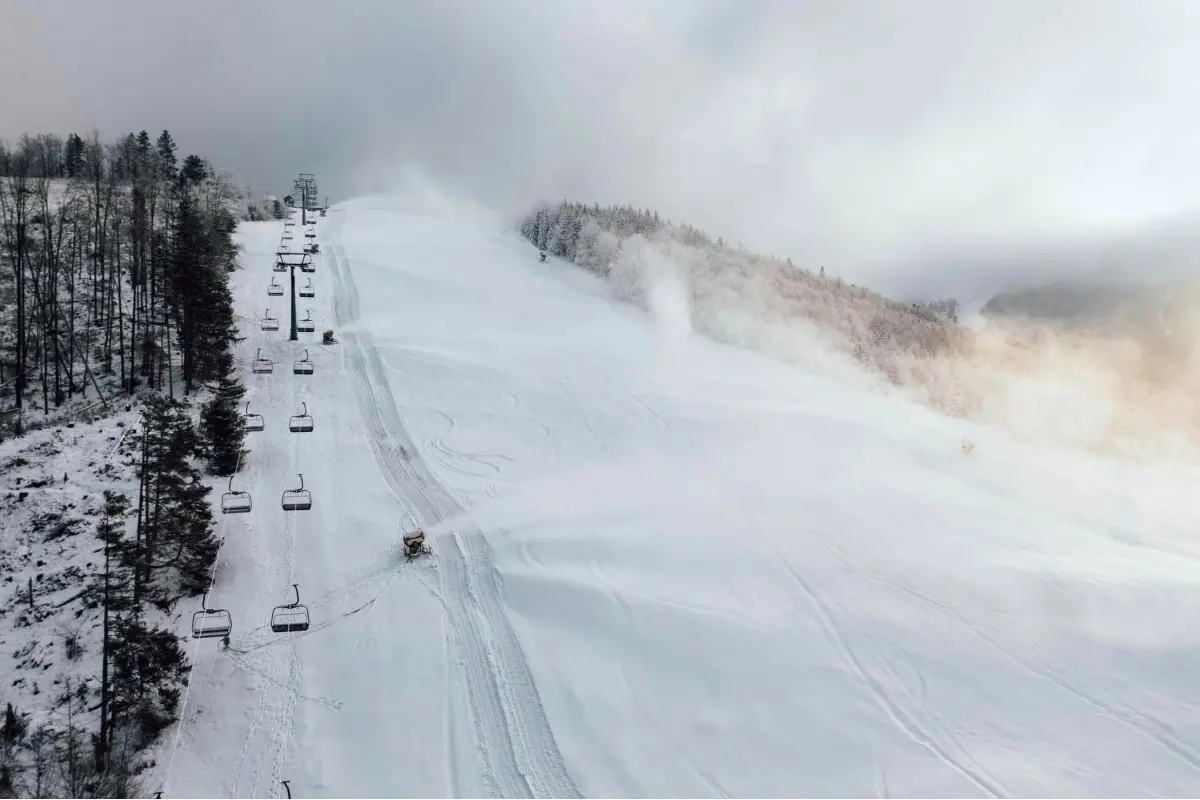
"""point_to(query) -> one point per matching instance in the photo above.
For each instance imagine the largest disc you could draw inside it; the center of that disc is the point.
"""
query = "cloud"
(918, 145)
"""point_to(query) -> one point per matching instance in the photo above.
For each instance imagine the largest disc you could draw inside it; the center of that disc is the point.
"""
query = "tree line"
(1145, 389)
(876, 331)
(114, 265)
(112, 271)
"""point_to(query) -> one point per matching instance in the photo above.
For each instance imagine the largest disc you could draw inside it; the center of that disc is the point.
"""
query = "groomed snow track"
(520, 756)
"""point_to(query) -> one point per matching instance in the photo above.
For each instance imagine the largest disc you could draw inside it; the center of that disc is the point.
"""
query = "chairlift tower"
(306, 186)
(287, 259)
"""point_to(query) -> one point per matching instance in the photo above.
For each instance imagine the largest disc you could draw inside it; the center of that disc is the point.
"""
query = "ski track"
(519, 755)
(263, 461)
(280, 675)
(620, 601)
(1149, 728)
(904, 719)
(450, 457)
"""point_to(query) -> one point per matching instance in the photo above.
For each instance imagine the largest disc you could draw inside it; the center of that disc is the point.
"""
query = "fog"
(931, 146)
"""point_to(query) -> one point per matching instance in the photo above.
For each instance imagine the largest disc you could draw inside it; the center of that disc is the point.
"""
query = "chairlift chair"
(306, 325)
(287, 236)
(235, 502)
(270, 323)
(310, 235)
(274, 289)
(260, 365)
(279, 265)
(253, 422)
(211, 623)
(307, 290)
(291, 618)
(297, 499)
(307, 265)
(302, 422)
(304, 366)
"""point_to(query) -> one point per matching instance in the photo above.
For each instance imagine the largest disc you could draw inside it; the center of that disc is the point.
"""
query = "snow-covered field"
(52, 485)
(661, 567)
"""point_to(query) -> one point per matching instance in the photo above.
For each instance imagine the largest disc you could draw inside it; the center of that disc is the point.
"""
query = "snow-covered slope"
(661, 567)
(52, 484)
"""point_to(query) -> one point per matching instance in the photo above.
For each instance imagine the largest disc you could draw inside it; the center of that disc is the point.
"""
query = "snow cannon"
(414, 545)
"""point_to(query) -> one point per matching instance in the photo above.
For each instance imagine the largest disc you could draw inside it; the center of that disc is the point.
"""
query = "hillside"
(660, 565)
(1118, 389)
(114, 402)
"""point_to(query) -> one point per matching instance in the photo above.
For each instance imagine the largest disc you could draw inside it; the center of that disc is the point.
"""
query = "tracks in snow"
(519, 754)
(909, 722)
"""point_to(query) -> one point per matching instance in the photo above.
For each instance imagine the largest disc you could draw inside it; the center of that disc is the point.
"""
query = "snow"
(52, 484)
(661, 566)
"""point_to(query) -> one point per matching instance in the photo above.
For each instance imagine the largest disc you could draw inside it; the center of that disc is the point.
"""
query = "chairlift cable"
(187, 687)
(292, 570)
(320, 626)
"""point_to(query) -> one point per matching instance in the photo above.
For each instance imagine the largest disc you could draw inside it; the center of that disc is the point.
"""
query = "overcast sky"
(928, 143)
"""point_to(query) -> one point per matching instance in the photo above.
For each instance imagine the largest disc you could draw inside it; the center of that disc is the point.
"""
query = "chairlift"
(274, 289)
(292, 618)
(307, 290)
(297, 499)
(308, 235)
(270, 323)
(211, 623)
(287, 236)
(307, 266)
(302, 422)
(289, 223)
(279, 265)
(253, 422)
(304, 366)
(260, 365)
(235, 502)
(306, 325)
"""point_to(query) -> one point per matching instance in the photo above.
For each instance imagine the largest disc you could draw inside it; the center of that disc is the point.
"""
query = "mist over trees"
(1032, 377)
(861, 323)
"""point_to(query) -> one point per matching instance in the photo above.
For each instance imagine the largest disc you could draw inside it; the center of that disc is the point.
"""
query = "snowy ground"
(661, 567)
(52, 486)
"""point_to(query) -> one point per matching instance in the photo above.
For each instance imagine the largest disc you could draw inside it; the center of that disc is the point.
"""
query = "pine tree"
(148, 667)
(222, 424)
(193, 170)
(73, 155)
(113, 589)
(177, 531)
(142, 667)
(166, 152)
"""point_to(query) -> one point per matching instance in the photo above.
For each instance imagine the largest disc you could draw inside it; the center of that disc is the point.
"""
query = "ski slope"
(661, 567)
